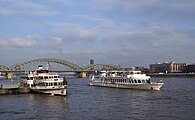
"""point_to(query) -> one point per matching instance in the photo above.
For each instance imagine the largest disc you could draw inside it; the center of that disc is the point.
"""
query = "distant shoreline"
(182, 75)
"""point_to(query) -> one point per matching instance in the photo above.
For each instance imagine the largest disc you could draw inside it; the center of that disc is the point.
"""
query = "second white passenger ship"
(132, 80)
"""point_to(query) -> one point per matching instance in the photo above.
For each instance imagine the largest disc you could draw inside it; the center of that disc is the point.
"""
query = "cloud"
(24, 7)
(21, 42)
(130, 44)
(112, 35)
(155, 10)
(117, 43)
(17, 42)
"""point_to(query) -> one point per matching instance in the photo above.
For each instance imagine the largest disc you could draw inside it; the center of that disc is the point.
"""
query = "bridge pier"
(9, 75)
(81, 74)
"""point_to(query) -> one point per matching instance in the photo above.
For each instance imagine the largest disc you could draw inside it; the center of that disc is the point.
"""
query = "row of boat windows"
(43, 77)
(51, 84)
(126, 81)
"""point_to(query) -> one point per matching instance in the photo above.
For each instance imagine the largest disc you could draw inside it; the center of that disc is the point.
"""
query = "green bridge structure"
(56, 65)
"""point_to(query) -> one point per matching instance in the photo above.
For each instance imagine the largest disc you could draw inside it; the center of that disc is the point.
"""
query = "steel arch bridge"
(73, 66)
(48, 60)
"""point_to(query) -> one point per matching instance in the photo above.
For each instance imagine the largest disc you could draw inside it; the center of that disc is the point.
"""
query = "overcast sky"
(123, 32)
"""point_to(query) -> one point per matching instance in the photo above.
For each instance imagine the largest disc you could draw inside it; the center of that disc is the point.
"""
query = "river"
(175, 101)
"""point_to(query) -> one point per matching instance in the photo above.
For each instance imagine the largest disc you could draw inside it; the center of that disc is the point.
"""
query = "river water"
(175, 101)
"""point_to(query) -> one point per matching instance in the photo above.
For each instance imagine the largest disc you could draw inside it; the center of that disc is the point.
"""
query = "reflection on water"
(84, 102)
(43, 106)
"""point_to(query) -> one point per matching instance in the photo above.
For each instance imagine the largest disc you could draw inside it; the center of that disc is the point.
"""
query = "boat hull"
(58, 92)
(151, 86)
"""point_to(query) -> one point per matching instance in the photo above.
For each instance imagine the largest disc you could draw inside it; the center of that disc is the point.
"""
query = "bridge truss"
(57, 65)
(102, 67)
(2, 67)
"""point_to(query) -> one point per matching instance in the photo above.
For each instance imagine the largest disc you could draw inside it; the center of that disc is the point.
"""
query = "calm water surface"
(175, 101)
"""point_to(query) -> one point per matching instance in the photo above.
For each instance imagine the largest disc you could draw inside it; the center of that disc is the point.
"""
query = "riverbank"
(182, 75)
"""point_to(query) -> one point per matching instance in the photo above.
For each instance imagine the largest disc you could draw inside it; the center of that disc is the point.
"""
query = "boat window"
(129, 81)
(61, 83)
(41, 84)
(46, 77)
(135, 81)
(40, 77)
(139, 81)
(132, 81)
(148, 81)
(50, 84)
(55, 76)
(55, 84)
(143, 81)
(50, 77)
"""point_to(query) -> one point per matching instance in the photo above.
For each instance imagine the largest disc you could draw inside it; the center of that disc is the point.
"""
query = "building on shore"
(189, 68)
(167, 67)
(141, 68)
(91, 62)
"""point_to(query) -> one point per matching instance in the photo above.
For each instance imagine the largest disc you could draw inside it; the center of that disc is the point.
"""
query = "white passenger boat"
(130, 80)
(43, 81)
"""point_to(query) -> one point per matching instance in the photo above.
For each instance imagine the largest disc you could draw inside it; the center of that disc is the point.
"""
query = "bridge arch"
(59, 61)
(104, 66)
(2, 67)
